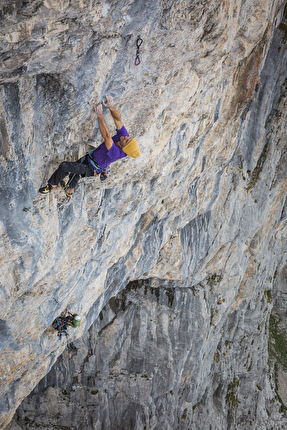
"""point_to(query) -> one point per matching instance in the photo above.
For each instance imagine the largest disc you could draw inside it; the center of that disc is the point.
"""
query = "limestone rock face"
(175, 261)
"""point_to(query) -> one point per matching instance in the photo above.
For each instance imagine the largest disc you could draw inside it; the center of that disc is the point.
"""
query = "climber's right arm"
(115, 114)
(103, 127)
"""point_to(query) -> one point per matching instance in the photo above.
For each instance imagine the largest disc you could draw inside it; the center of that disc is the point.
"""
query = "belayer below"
(65, 320)
(98, 160)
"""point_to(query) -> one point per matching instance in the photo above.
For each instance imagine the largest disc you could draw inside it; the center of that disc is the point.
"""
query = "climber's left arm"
(103, 127)
(115, 114)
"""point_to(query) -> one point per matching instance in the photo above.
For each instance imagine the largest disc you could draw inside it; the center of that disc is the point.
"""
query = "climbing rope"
(72, 200)
(138, 43)
(81, 206)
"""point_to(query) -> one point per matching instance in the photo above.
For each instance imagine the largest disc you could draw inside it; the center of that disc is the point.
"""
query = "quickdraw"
(138, 43)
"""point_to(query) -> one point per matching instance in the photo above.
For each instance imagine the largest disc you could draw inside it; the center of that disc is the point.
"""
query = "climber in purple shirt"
(98, 160)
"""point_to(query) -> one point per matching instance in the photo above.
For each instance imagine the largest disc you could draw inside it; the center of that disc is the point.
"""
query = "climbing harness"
(97, 169)
(138, 43)
(65, 320)
(92, 162)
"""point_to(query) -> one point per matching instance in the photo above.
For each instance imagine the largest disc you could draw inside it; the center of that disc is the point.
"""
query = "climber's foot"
(47, 189)
(68, 191)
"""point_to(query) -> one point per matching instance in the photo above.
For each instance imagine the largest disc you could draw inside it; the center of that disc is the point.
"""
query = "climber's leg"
(76, 169)
(64, 169)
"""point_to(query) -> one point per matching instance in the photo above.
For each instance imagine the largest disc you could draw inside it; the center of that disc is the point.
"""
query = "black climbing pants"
(75, 169)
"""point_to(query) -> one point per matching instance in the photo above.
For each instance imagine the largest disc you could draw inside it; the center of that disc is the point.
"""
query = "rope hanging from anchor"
(138, 43)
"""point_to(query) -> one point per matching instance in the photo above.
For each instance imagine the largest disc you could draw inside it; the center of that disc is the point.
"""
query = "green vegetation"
(216, 357)
(184, 415)
(277, 346)
(268, 295)
(277, 350)
(213, 280)
(232, 396)
(283, 408)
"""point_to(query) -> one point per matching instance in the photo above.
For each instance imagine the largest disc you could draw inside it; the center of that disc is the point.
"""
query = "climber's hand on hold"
(98, 108)
(110, 102)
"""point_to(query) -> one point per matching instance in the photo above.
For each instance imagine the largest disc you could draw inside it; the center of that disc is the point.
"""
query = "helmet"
(76, 321)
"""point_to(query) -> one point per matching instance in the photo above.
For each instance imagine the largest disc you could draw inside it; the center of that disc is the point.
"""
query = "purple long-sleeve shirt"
(105, 157)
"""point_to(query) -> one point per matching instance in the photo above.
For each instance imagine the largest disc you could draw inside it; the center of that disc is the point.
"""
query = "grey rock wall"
(175, 257)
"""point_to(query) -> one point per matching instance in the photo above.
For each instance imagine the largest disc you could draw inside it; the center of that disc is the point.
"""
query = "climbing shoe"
(45, 190)
(68, 194)
(65, 187)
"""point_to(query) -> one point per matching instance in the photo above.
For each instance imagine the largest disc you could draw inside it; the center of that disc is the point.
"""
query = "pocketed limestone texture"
(171, 261)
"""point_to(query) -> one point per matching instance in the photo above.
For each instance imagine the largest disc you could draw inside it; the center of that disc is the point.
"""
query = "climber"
(66, 319)
(98, 160)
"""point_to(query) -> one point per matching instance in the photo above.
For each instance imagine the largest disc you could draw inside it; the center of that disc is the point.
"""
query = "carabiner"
(139, 42)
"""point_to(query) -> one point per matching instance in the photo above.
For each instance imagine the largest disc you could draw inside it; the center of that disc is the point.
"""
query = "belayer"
(65, 320)
(98, 160)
